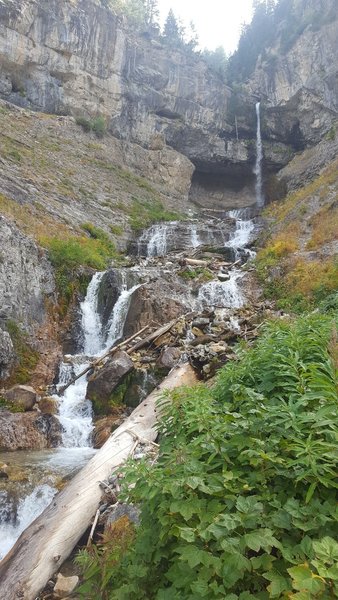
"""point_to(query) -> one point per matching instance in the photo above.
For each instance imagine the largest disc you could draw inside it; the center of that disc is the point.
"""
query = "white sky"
(218, 22)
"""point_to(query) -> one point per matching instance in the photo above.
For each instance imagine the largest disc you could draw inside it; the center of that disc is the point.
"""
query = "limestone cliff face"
(75, 57)
(299, 86)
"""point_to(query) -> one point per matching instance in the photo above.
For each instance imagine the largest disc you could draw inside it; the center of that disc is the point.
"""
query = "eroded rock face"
(26, 277)
(7, 354)
(28, 431)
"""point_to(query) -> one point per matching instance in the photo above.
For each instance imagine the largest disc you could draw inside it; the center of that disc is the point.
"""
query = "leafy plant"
(241, 503)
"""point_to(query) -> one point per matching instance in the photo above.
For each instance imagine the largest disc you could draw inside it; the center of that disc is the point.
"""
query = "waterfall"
(91, 323)
(222, 294)
(29, 509)
(194, 239)
(243, 230)
(120, 312)
(259, 158)
(156, 240)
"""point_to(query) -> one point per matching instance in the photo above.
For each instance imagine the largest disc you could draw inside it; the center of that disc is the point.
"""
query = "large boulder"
(28, 431)
(21, 397)
(106, 387)
(104, 427)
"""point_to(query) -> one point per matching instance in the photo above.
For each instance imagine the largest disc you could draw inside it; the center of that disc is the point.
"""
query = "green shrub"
(84, 123)
(241, 502)
(144, 213)
(99, 127)
(116, 229)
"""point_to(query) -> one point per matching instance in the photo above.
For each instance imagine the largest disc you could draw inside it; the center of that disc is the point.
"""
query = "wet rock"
(201, 322)
(103, 385)
(169, 358)
(223, 276)
(65, 585)
(28, 431)
(22, 397)
(104, 427)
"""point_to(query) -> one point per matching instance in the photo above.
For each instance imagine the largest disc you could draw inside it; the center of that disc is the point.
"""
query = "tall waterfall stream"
(75, 412)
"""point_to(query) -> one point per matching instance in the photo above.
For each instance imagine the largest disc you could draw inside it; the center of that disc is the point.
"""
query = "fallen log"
(48, 541)
(99, 360)
(194, 262)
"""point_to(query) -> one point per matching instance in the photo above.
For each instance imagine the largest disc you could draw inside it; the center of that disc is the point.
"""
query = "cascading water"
(155, 239)
(222, 294)
(243, 230)
(194, 239)
(75, 412)
(119, 314)
(259, 158)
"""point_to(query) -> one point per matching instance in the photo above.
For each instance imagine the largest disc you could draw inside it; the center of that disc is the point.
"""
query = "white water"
(75, 412)
(222, 294)
(29, 509)
(242, 234)
(91, 323)
(119, 314)
(259, 158)
(194, 239)
(156, 239)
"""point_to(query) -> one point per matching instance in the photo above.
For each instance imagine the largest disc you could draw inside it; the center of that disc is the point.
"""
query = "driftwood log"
(49, 540)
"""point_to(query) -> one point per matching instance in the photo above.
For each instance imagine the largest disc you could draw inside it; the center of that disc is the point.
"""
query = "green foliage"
(27, 357)
(98, 125)
(144, 213)
(84, 123)
(241, 503)
(67, 255)
(116, 229)
(200, 273)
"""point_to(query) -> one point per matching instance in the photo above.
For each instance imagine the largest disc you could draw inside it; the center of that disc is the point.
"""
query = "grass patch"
(200, 273)
(324, 227)
(97, 125)
(144, 213)
(116, 229)
(27, 357)
(68, 255)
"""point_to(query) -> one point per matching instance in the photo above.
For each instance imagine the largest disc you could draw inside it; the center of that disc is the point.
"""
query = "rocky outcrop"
(7, 354)
(299, 85)
(28, 431)
(21, 397)
(26, 277)
(79, 58)
(104, 383)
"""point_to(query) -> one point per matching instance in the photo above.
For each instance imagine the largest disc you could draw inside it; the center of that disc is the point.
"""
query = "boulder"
(169, 358)
(65, 585)
(23, 397)
(28, 431)
(132, 513)
(104, 427)
(105, 387)
(48, 405)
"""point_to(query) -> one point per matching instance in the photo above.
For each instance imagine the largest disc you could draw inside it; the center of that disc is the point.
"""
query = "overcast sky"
(218, 22)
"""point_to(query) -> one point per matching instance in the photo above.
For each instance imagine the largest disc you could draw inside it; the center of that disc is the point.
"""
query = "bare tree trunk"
(49, 540)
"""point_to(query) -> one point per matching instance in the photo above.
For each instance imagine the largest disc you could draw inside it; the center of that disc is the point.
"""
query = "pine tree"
(171, 31)
(152, 12)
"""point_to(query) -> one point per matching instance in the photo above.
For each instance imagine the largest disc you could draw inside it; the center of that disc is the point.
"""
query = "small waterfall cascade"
(156, 240)
(119, 314)
(243, 230)
(194, 239)
(259, 158)
(222, 294)
(28, 510)
(91, 323)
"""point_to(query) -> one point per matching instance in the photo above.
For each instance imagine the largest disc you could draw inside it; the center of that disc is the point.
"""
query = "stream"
(40, 473)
